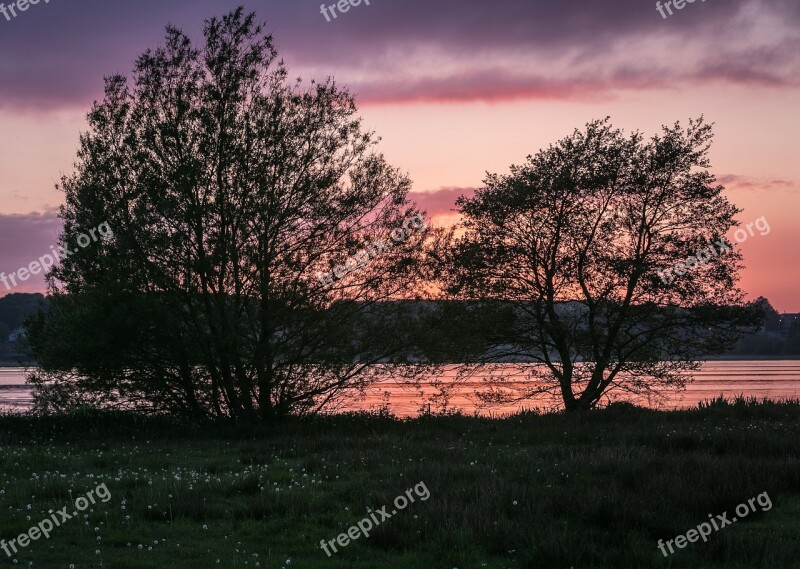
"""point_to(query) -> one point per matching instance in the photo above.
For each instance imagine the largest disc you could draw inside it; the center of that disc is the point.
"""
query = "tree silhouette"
(229, 190)
(577, 239)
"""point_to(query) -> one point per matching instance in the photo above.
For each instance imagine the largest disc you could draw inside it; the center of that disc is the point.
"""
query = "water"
(14, 394)
(775, 379)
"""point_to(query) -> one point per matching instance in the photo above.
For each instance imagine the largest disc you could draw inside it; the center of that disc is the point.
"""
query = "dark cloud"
(500, 85)
(734, 182)
(24, 239)
(55, 54)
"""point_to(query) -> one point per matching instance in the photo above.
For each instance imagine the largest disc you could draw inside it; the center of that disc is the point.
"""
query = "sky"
(455, 88)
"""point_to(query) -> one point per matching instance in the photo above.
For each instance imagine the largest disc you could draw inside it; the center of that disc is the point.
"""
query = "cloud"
(735, 182)
(55, 55)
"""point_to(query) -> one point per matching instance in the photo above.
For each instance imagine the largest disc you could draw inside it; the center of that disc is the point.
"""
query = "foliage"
(229, 190)
(577, 238)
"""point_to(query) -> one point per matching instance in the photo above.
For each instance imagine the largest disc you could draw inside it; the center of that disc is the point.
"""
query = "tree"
(578, 239)
(772, 320)
(232, 194)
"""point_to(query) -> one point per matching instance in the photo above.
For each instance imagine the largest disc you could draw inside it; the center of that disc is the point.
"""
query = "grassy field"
(557, 492)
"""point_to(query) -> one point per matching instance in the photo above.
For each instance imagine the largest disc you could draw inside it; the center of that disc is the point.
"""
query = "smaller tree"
(578, 239)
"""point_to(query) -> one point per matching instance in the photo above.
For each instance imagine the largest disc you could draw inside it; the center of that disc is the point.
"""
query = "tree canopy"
(577, 239)
(229, 189)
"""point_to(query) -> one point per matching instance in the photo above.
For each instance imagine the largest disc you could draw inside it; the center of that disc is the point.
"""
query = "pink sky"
(454, 89)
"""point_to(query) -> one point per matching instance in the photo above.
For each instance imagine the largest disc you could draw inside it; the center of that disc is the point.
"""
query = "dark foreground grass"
(583, 492)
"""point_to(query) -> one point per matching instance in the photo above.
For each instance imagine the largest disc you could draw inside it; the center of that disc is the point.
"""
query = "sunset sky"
(454, 88)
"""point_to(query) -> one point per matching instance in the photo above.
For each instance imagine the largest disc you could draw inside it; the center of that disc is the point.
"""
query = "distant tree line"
(779, 335)
(15, 309)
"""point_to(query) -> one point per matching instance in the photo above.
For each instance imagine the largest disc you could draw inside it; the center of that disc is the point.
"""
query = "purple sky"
(454, 87)
(54, 55)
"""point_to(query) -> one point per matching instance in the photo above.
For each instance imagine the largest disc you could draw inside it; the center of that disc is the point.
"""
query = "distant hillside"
(780, 336)
(14, 309)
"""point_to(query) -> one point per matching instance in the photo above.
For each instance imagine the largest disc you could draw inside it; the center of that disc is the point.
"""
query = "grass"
(583, 492)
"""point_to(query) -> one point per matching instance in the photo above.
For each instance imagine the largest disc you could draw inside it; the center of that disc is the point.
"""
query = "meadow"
(585, 491)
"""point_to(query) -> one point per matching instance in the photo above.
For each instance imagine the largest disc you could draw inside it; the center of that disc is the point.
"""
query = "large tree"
(232, 194)
(577, 240)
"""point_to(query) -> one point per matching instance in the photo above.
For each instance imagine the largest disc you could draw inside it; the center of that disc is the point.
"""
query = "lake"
(775, 379)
